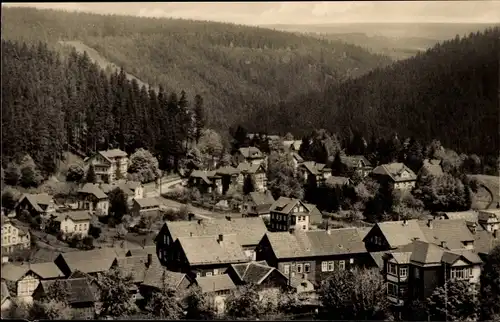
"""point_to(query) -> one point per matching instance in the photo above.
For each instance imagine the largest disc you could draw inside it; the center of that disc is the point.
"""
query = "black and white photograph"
(305, 160)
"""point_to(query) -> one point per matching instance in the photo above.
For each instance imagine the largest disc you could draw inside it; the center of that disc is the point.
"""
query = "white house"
(106, 164)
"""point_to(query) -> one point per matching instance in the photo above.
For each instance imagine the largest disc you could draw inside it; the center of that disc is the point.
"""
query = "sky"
(263, 13)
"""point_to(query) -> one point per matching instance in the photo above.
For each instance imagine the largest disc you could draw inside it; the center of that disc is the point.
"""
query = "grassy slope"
(232, 66)
(493, 183)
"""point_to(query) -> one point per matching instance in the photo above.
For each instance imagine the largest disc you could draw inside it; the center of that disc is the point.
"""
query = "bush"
(9, 199)
(75, 173)
(12, 174)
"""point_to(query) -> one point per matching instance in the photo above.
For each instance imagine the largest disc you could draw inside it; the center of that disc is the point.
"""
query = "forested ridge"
(52, 104)
(235, 68)
(448, 93)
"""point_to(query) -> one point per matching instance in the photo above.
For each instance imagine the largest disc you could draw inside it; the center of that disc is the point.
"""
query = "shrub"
(75, 173)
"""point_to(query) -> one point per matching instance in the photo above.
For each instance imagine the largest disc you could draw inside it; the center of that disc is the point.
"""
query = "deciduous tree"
(456, 301)
(143, 166)
(115, 291)
(490, 286)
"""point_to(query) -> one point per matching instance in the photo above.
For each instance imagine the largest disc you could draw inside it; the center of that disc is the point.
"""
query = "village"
(221, 228)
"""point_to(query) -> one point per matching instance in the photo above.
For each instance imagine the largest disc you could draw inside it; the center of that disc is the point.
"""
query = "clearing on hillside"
(492, 183)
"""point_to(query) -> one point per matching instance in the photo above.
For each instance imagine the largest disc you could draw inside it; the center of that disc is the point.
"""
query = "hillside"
(449, 93)
(235, 68)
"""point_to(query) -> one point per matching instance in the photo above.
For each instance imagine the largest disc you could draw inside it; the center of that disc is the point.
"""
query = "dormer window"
(461, 273)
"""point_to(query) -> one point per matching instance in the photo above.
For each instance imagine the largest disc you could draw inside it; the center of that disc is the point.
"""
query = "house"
(263, 276)
(136, 266)
(70, 223)
(293, 145)
(157, 276)
(257, 204)
(229, 177)
(251, 155)
(389, 235)
(206, 181)
(89, 262)
(145, 206)
(314, 173)
(356, 164)
(6, 298)
(337, 182)
(108, 163)
(431, 167)
(469, 215)
(25, 277)
(218, 288)
(255, 172)
(489, 219)
(297, 160)
(289, 213)
(14, 237)
(206, 255)
(108, 187)
(82, 297)
(36, 204)
(91, 197)
(249, 231)
(313, 255)
(137, 188)
(484, 241)
(397, 175)
(415, 270)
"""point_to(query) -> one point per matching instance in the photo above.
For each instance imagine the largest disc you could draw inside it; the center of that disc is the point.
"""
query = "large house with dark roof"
(199, 256)
(413, 271)
(229, 177)
(397, 175)
(313, 172)
(205, 181)
(255, 172)
(315, 254)
(106, 164)
(260, 274)
(69, 223)
(251, 155)
(86, 263)
(291, 214)
(356, 164)
(257, 204)
(92, 198)
(36, 204)
(249, 232)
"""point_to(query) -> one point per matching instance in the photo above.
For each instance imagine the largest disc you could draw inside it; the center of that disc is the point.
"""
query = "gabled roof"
(486, 214)
(394, 171)
(227, 170)
(38, 199)
(204, 250)
(107, 188)
(78, 215)
(470, 215)
(285, 205)
(142, 251)
(337, 181)
(204, 175)
(90, 261)
(134, 266)
(261, 198)
(14, 272)
(353, 161)
(114, 153)
(485, 241)
(148, 202)
(79, 289)
(215, 283)
(315, 168)
(427, 253)
(249, 230)
(453, 232)
(245, 167)
(399, 233)
(158, 276)
(251, 153)
(93, 189)
(316, 243)
(253, 272)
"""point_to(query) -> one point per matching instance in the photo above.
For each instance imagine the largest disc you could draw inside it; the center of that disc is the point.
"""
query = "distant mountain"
(235, 68)
(449, 93)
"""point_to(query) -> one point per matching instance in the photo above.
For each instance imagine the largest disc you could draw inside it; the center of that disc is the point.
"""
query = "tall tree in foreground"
(490, 286)
(91, 176)
(143, 166)
(354, 295)
(198, 306)
(244, 303)
(456, 301)
(164, 304)
(115, 294)
(118, 205)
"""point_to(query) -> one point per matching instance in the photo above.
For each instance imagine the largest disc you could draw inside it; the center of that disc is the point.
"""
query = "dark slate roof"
(14, 272)
(93, 189)
(285, 205)
(353, 161)
(262, 198)
(427, 253)
(215, 283)
(316, 243)
(470, 215)
(337, 181)
(251, 152)
(227, 170)
(133, 265)
(488, 214)
(315, 168)
(395, 171)
(249, 230)
(485, 241)
(114, 153)
(158, 275)
(148, 202)
(245, 167)
(254, 272)
(80, 290)
(453, 232)
(203, 250)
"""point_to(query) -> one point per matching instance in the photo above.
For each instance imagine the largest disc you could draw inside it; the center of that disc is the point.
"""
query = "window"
(286, 268)
(216, 271)
(13, 239)
(307, 267)
(324, 266)
(392, 289)
(299, 268)
(462, 273)
(168, 240)
(304, 227)
(198, 274)
(341, 265)
(164, 239)
(209, 273)
(391, 268)
(330, 266)
(351, 261)
(416, 272)
(403, 271)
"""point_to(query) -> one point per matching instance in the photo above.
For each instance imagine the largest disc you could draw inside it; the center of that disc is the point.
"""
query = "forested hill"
(235, 68)
(449, 93)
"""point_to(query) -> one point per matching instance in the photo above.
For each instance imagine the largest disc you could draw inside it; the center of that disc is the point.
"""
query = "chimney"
(443, 244)
(405, 222)
(495, 233)
(190, 216)
(199, 221)
(221, 238)
(150, 260)
(429, 223)
(228, 218)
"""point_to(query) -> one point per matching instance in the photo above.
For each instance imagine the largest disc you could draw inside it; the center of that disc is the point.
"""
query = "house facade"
(92, 198)
(206, 181)
(13, 237)
(251, 155)
(257, 204)
(36, 204)
(314, 173)
(255, 172)
(145, 205)
(71, 223)
(397, 175)
(357, 164)
(289, 214)
(489, 219)
(108, 163)
(229, 177)
(265, 278)
(218, 288)
(313, 255)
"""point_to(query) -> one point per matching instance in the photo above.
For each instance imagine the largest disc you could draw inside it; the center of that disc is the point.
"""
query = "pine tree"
(199, 117)
(91, 176)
